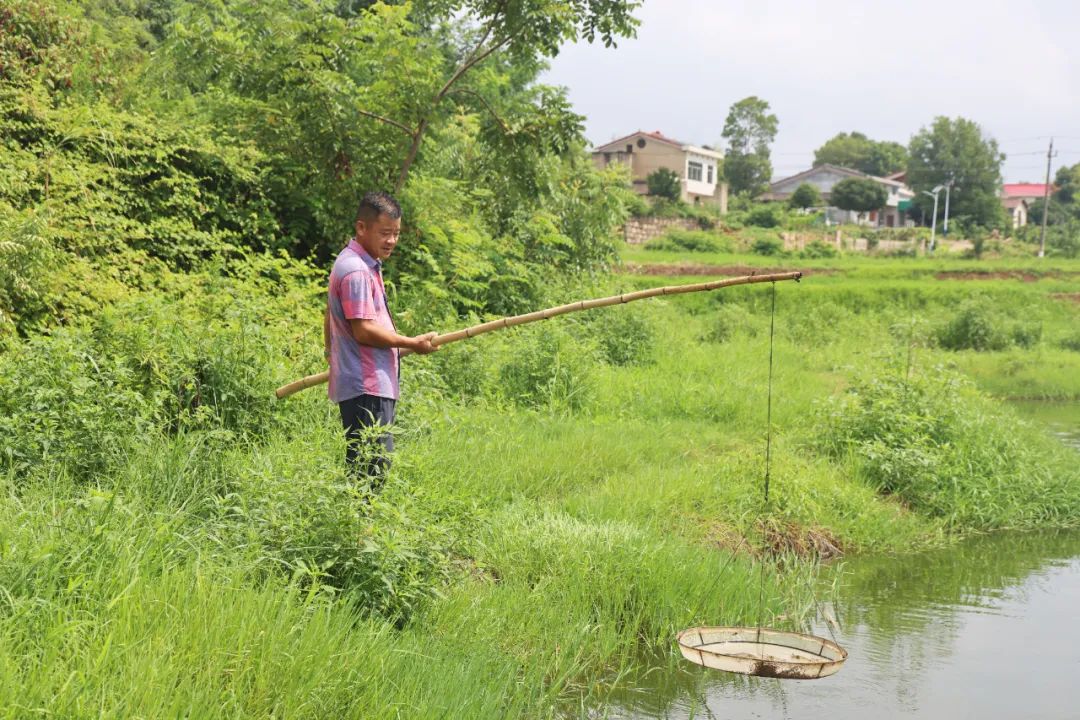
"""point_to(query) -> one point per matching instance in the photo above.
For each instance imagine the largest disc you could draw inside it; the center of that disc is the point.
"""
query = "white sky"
(826, 66)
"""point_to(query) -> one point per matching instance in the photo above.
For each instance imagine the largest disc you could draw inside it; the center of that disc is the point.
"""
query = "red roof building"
(1027, 191)
(1016, 198)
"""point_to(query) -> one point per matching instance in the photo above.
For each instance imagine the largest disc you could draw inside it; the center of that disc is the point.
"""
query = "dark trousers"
(367, 451)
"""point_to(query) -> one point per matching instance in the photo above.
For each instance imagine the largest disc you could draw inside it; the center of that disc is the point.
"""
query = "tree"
(664, 183)
(805, 196)
(1067, 181)
(344, 104)
(749, 130)
(956, 150)
(858, 152)
(528, 31)
(858, 195)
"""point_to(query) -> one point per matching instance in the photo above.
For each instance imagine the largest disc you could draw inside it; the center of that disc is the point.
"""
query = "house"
(1017, 198)
(697, 166)
(824, 177)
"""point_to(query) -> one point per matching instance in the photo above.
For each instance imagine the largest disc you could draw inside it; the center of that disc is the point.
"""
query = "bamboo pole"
(470, 332)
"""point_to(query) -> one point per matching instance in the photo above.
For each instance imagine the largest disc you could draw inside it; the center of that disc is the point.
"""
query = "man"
(361, 341)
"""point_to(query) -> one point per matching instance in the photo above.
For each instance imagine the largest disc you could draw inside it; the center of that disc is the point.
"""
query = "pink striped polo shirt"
(357, 293)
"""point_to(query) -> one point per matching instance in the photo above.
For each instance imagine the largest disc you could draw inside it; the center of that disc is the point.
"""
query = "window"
(693, 171)
(629, 147)
(709, 176)
(641, 142)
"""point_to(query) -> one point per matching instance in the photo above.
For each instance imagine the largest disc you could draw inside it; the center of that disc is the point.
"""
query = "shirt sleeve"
(356, 293)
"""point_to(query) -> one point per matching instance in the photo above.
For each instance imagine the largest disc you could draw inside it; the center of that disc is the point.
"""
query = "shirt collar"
(368, 260)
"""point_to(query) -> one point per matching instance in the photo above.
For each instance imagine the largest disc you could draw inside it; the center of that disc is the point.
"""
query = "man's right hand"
(421, 344)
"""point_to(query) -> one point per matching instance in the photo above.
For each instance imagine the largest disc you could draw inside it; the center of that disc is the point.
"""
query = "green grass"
(565, 499)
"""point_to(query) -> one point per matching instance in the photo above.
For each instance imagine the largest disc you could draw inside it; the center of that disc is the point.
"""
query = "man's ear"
(359, 227)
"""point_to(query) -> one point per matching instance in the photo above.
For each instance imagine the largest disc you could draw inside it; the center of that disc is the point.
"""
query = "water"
(987, 629)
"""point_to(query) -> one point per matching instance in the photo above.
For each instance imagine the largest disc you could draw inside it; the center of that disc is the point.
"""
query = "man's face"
(379, 237)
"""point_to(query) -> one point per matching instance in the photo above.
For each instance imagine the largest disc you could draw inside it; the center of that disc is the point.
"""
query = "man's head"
(378, 224)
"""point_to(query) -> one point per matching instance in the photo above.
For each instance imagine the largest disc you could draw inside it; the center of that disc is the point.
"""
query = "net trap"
(759, 651)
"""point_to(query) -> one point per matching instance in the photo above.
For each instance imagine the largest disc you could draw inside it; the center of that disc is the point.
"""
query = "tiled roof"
(1024, 190)
(655, 135)
(615, 145)
(841, 171)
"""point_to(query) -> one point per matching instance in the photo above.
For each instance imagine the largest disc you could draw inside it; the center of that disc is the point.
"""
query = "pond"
(989, 628)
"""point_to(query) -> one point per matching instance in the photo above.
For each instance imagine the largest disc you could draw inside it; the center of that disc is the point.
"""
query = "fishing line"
(768, 448)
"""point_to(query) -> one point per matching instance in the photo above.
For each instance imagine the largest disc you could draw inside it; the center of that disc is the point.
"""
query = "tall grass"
(566, 497)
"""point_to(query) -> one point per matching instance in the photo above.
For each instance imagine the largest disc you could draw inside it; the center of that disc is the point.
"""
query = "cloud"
(838, 65)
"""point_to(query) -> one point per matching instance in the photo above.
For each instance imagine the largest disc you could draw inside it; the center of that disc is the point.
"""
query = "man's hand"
(421, 344)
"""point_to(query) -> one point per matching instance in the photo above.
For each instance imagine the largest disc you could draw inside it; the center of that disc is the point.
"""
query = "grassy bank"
(566, 496)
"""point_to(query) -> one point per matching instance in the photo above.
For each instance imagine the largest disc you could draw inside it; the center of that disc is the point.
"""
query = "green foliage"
(1071, 341)
(624, 335)
(856, 151)
(956, 150)
(1067, 182)
(819, 249)
(749, 131)
(37, 42)
(976, 326)
(677, 239)
(765, 215)
(767, 245)
(664, 183)
(805, 196)
(858, 194)
(729, 321)
(637, 206)
(1064, 240)
(936, 445)
(195, 356)
(548, 369)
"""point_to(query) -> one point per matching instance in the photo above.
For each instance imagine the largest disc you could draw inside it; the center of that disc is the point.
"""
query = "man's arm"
(370, 333)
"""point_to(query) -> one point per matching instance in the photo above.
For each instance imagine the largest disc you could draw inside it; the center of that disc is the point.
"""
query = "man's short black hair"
(374, 204)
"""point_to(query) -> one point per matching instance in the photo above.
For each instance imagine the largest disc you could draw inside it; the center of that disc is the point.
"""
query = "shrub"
(818, 249)
(547, 367)
(976, 326)
(767, 246)
(623, 334)
(766, 215)
(203, 359)
(676, 239)
(805, 196)
(664, 183)
(940, 447)
(1071, 341)
(389, 559)
(637, 206)
(728, 321)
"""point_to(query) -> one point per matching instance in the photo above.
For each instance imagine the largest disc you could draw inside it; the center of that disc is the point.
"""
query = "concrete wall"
(640, 230)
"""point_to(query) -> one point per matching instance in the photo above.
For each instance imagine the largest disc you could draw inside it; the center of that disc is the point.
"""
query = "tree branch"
(475, 57)
(405, 128)
(468, 64)
(485, 103)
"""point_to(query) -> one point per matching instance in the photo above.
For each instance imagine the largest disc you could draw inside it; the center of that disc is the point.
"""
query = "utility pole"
(948, 189)
(1046, 200)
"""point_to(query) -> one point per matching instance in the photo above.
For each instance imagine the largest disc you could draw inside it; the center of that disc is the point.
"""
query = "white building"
(824, 177)
(698, 167)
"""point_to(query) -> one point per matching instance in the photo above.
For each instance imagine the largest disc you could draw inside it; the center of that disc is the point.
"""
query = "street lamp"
(933, 221)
